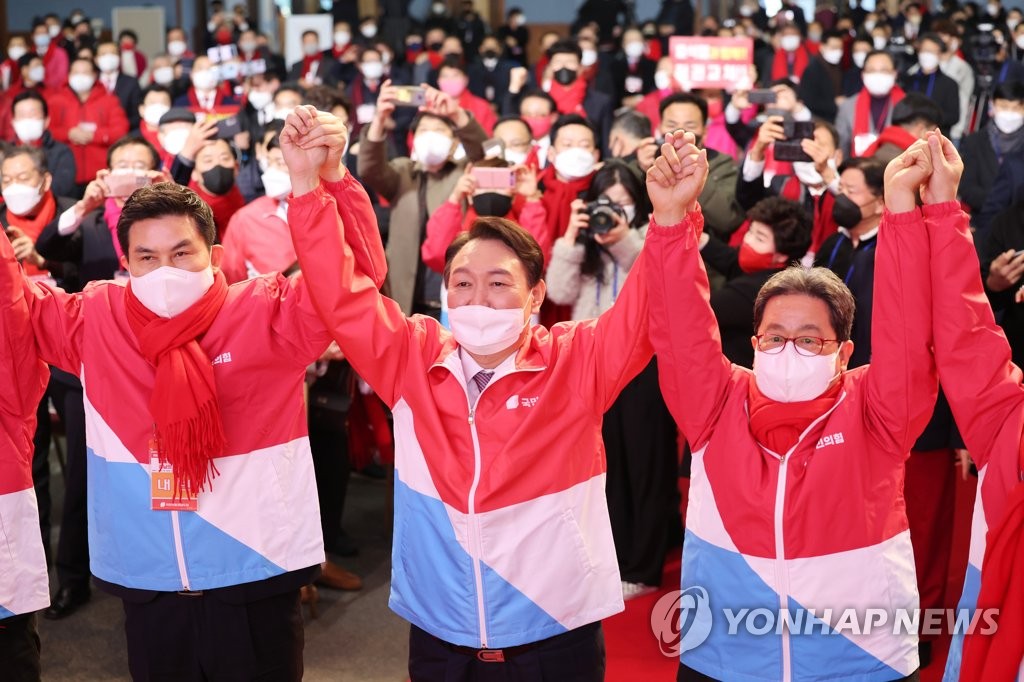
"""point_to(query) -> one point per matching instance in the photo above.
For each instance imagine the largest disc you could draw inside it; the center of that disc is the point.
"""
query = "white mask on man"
(21, 199)
(168, 291)
(788, 377)
(29, 129)
(879, 84)
(483, 330)
(574, 163)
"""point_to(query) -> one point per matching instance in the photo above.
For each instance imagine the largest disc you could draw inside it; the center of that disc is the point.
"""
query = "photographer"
(588, 268)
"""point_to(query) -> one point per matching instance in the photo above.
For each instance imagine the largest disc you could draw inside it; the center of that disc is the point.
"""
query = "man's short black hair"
(684, 98)
(31, 95)
(91, 63)
(916, 108)
(128, 33)
(155, 87)
(820, 283)
(885, 53)
(130, 140)
(572, 120)
(517, 239)
(326, 98)
(290, 87)
(311, 32)
(452, 62)
(26, 59)
(633, 123)
(1010, 90)
(512, 118)
(540, 94)
(872, 169)
(565, 46)
(414, 126)
(934, 38)
(789, 223)
(36, 154)
(832, 33)
(165, 199)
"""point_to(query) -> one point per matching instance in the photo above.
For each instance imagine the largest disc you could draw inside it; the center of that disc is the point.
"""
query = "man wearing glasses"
(796, 507)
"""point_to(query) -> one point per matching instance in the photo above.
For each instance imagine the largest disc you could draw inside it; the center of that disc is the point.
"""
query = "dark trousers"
(73, 544)
(641, 446)
(179, 638)
(328, 444)
(575, 656)
(19, 648)
(41, 470)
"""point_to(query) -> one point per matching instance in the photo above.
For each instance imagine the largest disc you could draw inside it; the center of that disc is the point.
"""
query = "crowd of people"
(460, 144)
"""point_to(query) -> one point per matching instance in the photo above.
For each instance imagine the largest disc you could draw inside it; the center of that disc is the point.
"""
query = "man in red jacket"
(88, 119)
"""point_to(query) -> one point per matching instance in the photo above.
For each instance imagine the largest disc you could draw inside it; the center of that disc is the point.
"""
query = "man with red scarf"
(791, 55)
(864, 116)
(213, 179)
(207, 94)
(315, 67)
(29, 204)
(204, 526)
(573, 94)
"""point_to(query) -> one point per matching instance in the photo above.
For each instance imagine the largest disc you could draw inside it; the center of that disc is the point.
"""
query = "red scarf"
(111, 215)
(184, 400)
(558, 196)
(997, 656)
(824, 224)
(569, 98)
(307, 65)
(32, 226)
(862, 123)
(892, 135)
(778, 426)
(780, 65)
(223, 205)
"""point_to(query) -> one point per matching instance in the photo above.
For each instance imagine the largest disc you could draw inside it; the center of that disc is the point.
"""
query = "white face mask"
(204, 80)
(342, 38)
(372, 70)
(1012, 23)
(788, 377)
(16, 52)
(484, 331)
(431, 148)
(311, 49)
(859, 58)
(369, 31)
(832, 56)
(163, 75)
(108, 63)
(151, 113)
(28, 129)
(807, 174)
(259, 99)
(869, 26)
(174, 141)
(81, 83)
(282, 114)
(574, 163)
(276, 183)
(929, 61)
(515, 158)
(662, 80)
(589, 58)
(53, 30)
(21, 199)
(630, 211)
(42, 42)
(789, 43)
(880, 42)
(993, 9)
(1020, 41)
(634, 50)
(879, 84)
(176, 48)
(168, 291)
(1008, 122)
(248, 47)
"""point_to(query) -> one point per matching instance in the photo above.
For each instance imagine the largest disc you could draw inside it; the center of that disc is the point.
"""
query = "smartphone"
(123, 184)
(495, 178)
(228, 127)
(762, 96)
(410, 96)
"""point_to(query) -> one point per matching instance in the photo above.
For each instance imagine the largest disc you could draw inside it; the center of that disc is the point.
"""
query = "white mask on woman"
(431, 148)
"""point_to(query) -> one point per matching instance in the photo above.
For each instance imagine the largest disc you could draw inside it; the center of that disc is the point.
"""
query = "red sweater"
(101, 108)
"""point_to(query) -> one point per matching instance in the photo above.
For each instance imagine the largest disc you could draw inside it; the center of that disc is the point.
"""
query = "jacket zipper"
(179, 549)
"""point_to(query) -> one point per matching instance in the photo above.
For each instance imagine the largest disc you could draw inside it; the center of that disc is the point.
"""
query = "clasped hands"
(677, 178)
(313, 144)
(931, 167)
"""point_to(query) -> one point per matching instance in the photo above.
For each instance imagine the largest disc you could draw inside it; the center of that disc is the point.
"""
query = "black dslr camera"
(602, 212)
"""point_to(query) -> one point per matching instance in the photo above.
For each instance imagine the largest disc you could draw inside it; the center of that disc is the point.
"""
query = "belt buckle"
(491, 655)
(191, 593)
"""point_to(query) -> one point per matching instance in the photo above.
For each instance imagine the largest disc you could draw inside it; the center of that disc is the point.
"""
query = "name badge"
(163, 486)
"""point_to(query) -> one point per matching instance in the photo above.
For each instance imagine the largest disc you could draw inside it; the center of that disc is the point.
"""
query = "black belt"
(494, 655)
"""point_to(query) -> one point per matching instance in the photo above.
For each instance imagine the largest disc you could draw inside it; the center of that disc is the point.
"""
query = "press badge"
(163, 485)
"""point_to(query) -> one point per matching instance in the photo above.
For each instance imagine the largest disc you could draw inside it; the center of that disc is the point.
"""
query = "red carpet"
(633, 654)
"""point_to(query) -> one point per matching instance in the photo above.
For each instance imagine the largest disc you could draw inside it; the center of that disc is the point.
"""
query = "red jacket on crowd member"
(57, 64)
(100, 108)
(23, 584)
(224, 206)
(448, 221)
(258, 241)
(10, 74)
(480, 108)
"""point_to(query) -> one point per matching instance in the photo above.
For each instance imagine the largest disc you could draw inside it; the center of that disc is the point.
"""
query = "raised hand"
(947, 167)
(905, 175)
(328, 131)
(465, 186)
(771, 131)
(526, 182)
(303, 164)
(677, 178)
(444, 105)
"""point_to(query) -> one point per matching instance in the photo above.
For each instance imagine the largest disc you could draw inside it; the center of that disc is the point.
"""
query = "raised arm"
(901, 382)
(693, 372)
(338, 245)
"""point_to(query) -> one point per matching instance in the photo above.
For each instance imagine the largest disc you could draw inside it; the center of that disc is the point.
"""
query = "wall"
(21, 12)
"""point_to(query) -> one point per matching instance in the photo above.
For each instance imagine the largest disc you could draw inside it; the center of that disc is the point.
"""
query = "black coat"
(90, 248)
(942, 90)
(129, 94)
(1007, 232)
(817, 89)
(488, 84)
(61, 164)
(620, 71)
(980, 169)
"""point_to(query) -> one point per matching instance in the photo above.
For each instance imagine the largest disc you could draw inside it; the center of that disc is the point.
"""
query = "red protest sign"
(712, 62)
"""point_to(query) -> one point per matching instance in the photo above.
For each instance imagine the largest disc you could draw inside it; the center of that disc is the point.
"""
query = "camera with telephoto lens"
(602, 212)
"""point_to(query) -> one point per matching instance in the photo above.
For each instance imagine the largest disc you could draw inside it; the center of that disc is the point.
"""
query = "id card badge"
(163, 485)
(862, 142)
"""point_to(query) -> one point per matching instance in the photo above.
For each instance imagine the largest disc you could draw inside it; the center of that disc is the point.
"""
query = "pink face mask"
(485, 331)
(714, 108)
(453, 87)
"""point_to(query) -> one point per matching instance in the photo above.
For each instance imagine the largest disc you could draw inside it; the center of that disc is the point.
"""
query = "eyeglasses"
(807, 346)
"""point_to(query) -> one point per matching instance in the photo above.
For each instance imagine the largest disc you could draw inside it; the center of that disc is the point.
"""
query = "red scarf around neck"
(184, 400)
(569, 98)
(780, 65)
(862, 123)
(894, 135)
(223, 205)
(558, 197)
(33, 226)
(997, 656)
(778, 426)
